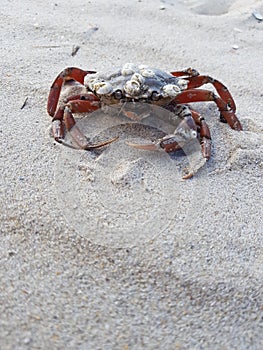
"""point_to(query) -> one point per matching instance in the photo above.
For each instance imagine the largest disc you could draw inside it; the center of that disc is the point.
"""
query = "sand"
(112, 250)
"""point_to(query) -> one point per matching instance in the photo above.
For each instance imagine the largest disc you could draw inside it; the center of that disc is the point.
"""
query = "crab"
(131, 83)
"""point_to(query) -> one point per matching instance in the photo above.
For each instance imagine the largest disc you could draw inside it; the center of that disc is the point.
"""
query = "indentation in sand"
(128, 174)
(209, 7)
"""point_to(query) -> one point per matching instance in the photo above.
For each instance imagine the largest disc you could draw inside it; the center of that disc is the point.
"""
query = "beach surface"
(111, 249)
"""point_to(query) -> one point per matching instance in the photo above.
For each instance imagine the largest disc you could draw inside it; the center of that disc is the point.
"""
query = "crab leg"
(70, 73)
(77, 104)
(74, 104)
(77, 135)
(91, 104)
(200, 95)
(170, 144)
(205, 135)
(197, 81)
(185, 131)
(189, 72)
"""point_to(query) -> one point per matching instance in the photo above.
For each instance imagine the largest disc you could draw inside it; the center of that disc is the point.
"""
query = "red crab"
(132, 83)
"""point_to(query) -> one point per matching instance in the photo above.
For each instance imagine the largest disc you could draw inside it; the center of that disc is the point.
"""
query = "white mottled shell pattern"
(135, 83)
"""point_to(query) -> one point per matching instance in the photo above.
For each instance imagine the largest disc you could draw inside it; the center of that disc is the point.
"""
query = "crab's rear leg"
(196, 80)
(71, 73)
(200, 95)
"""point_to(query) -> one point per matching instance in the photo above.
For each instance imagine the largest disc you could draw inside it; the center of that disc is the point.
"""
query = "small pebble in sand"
(257, 15)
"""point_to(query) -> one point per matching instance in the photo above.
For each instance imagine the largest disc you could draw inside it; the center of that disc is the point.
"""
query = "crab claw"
(184, 132)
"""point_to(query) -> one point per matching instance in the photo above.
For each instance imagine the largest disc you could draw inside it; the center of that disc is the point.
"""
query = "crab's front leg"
(190, 124)
(185, 131)
(71, 73)
(64, 118)
(195, 80)
(63, 115)
(82, 103)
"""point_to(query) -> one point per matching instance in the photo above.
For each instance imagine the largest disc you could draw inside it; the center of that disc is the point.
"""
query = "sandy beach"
(111, 249)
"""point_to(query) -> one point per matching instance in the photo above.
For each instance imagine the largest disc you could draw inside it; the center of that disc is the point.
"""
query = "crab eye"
(118, 94)
(155, 96)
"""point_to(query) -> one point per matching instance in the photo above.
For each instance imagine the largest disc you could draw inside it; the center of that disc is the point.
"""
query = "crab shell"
(135, 83)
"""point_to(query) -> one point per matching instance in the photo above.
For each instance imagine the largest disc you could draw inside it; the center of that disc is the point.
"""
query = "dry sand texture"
(112, 250)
